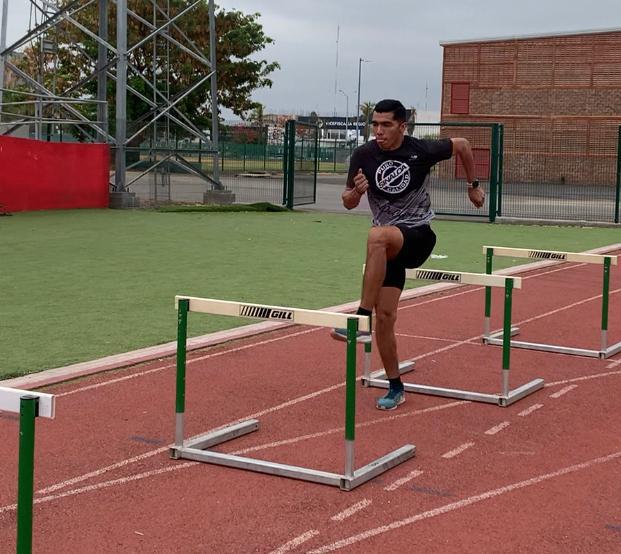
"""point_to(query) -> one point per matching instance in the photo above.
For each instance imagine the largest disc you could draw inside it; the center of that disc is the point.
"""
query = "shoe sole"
(393, 408)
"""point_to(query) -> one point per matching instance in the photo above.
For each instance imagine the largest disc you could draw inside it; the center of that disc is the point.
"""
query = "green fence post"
(493, 180)
(182, 336)
(334, 170)
(28, 409)
(244, 162)
(222, 152)
(316, 165)
(501, 158)
(618, 189)
(285, 164)
(290, 130)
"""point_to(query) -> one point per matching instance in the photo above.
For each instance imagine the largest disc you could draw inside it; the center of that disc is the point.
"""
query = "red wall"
(36, 175)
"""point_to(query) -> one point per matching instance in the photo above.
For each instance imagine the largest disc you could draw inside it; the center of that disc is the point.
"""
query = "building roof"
(529, 37)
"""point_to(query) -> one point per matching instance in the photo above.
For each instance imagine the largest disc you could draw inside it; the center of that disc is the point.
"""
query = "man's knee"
(384, 238)
(385, 318)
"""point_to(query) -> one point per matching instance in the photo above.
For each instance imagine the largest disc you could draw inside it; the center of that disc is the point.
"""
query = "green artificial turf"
(78, 285)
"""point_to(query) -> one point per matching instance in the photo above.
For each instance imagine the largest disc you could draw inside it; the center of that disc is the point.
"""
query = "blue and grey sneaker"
(340, 333)
(392, 399)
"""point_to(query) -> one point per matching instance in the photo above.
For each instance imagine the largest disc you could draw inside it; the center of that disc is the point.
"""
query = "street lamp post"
(360, 60)
(346, 115)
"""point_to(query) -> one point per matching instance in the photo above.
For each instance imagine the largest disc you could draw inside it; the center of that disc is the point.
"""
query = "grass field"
(79, 285)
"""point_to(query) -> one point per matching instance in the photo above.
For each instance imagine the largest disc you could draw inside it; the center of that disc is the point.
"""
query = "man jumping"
(393, 170)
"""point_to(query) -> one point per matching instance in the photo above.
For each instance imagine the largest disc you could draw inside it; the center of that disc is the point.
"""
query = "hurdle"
(604, 351)
(198, 448)
(507, 396)
(29, 405)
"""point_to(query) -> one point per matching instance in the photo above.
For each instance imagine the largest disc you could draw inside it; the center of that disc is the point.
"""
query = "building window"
(481, 165)
(460, 98)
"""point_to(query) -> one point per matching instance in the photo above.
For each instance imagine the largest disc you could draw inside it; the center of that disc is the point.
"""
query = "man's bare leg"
(385, 318)
(383, 243)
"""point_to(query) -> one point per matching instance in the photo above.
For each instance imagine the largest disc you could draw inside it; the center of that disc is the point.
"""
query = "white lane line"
(457, 451)
(461, 504)
(583, 378)
(101, 471)
(563, 391)
(294, 543)
(103, 485)
(497, 428)
(301, 438)
(530, 410)
(399, 482)
(151, 453)
(613, 364)
(439, 339)
(351, 510)
(188, 362)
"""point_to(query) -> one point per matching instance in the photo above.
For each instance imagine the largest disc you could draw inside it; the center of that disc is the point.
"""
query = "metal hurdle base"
(196, 449)
(498, 399)
(606, 352)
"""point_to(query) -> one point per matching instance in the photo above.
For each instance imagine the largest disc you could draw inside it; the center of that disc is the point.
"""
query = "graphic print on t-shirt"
(392, 176)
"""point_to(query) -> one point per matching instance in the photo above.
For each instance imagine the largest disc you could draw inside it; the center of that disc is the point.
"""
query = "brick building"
(558, 97)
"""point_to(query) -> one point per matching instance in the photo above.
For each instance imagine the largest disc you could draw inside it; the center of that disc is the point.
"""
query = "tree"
(367, 113)
(240, 38)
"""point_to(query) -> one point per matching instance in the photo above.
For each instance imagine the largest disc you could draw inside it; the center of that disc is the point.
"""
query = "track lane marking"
(447, 508)
(563, 391)
(404, 480)
(457, 451)
(498, 428)
(341, 516)
(530, 410)
(294, 543)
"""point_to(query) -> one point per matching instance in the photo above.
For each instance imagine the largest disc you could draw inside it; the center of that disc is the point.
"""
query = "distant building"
(557, 95)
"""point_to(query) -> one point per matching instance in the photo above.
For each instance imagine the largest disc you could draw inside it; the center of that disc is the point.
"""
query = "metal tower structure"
(33, 99)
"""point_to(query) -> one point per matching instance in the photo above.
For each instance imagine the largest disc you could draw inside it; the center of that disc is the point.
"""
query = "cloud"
(401, 37)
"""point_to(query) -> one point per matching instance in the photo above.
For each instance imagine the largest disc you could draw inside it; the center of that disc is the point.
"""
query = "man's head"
(389, 117)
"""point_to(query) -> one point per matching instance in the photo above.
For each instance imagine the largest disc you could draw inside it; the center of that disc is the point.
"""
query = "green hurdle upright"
(605, 351)
(29, 405)
(198, 448)
(507, 396)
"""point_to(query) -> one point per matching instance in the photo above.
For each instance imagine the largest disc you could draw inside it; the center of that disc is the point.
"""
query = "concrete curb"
(74, 371)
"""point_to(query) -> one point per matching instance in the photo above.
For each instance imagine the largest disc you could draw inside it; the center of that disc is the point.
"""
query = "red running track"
(542, 475)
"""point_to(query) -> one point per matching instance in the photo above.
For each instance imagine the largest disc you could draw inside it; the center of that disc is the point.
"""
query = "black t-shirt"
(397, 178)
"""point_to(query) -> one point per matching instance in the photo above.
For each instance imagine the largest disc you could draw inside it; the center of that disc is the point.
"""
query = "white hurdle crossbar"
(605, 351)
(198, 448)
(507, 396)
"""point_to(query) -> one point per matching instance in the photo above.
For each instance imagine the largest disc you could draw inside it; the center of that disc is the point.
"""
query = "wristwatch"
(474, 184)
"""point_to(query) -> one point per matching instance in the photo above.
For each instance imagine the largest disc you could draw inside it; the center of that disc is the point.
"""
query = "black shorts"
(418, 243)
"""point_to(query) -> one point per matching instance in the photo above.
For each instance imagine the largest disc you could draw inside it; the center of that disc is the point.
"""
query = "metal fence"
(447, 180)
(564, 171)
(300, 164)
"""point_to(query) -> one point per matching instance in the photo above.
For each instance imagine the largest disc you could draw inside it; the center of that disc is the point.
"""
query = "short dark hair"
(394, 106)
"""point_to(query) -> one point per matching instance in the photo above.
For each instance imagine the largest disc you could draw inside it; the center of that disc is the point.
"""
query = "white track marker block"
(462, 277)
(550, 255)
(10, 401)
(318, 318)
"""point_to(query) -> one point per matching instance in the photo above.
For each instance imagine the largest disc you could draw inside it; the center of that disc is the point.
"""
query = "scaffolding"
(34, 103)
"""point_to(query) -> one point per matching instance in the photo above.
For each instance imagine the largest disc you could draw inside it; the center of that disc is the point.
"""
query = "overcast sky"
(401, 37)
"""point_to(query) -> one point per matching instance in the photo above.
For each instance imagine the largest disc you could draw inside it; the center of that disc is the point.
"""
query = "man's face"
(387, 130)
